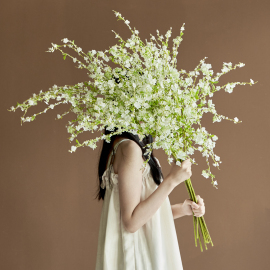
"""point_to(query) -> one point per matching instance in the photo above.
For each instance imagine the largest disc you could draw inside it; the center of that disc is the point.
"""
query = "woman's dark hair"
(107, 148)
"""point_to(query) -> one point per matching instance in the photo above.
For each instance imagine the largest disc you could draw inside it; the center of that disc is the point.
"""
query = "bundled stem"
(197, 221)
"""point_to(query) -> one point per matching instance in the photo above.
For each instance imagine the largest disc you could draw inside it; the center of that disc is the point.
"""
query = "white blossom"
(136, 85)
(225, 69)
(31, 102)
(205, 174)
(73, 148)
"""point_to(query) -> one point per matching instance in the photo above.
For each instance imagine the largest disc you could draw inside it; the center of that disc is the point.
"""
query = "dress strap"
(114, 150)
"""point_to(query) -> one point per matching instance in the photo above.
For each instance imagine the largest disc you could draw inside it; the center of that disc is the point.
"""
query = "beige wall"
(48, 217)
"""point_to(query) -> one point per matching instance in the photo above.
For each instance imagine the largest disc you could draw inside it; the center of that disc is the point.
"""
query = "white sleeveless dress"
(154, 246)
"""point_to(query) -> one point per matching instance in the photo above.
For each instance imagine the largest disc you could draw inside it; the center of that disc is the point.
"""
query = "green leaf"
(64, 57)
(197, 94)
(77, 141)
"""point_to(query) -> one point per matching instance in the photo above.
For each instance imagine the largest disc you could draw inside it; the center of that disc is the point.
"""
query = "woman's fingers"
(197, 208)
(198, 214)
(200, 209)
(200, 200)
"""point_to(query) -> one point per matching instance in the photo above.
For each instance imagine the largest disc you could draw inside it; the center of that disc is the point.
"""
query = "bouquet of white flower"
(144, 93)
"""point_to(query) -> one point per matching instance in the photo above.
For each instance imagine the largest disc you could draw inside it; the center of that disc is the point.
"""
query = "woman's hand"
(199, 209)
(179, 174)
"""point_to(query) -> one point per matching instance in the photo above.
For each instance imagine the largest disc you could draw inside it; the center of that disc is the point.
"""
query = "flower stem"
(198, 222)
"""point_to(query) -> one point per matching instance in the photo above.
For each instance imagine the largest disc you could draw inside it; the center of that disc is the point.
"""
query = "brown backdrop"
(49, 218)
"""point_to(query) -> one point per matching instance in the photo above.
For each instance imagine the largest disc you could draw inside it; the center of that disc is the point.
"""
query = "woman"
(137, 228)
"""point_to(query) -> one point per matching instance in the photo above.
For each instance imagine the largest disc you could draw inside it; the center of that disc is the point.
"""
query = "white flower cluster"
(144, 94)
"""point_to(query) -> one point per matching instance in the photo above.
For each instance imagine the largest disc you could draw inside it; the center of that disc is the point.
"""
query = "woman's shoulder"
(129, 147)
(127, 152)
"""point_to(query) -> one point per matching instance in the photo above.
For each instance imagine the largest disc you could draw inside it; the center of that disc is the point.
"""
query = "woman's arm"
(177, 210)
(134, 212)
